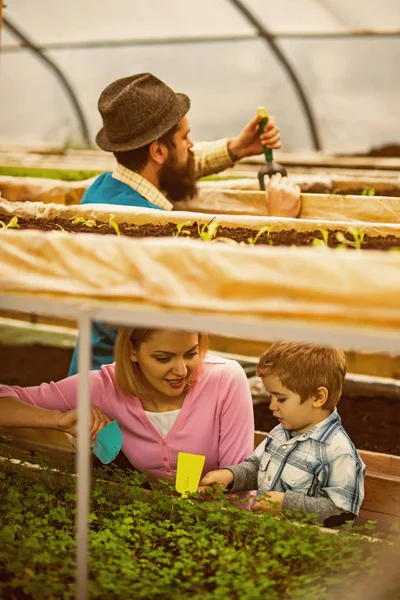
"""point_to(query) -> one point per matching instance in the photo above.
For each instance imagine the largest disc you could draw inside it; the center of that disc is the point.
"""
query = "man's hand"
(249, 142)
(222, 477)
(263, 505)
(68, 421)
(283, 198)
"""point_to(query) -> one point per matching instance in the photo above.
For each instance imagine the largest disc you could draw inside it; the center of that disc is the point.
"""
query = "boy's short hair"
(303, 368)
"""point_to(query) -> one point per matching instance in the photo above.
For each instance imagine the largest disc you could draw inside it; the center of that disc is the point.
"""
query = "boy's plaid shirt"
(322, 462)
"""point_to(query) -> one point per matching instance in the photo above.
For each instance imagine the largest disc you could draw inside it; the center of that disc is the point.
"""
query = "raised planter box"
(152, 544)
(319, 184)
(136, 222)
(217, 198)
(232, 290)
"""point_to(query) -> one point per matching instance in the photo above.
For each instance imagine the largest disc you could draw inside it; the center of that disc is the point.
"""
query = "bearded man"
(146, 128)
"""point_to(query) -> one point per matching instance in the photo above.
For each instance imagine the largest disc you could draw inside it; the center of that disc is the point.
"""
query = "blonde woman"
(166, 394)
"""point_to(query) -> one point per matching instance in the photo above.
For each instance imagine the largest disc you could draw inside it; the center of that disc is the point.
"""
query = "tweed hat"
(137, 110)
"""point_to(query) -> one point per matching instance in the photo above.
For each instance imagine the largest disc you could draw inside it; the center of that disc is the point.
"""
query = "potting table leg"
(83, 458)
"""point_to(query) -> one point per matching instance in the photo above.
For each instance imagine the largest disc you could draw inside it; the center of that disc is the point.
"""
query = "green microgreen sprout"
(87, 222)
(324, 242)
(368, 192)
(358, 236)
(180, 230)
(266, 229)
(112, 223)
(207, 232)
(12, 224)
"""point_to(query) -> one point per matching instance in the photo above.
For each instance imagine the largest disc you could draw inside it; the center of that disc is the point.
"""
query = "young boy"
(307, 464)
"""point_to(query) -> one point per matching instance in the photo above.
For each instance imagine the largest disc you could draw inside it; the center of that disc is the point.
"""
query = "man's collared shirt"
(142, 186)
(210, 157)
(321, 462)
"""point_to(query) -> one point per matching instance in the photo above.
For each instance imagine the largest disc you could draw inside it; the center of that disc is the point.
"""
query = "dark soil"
(372, 423)
(356, 190)
(33, 365)
(239, 234)
(385, 151)
(388, 150)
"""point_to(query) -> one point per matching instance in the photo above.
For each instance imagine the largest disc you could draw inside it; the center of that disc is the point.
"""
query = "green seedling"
(12, 224)
(266, 229)
(358, 236)
(112, 223)
(87, 222)
(179, 229)
(368, 192)
(209, 231)
(59, 227)
(324, 241)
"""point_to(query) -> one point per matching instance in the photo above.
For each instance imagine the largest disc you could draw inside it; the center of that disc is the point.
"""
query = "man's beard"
(178, 182)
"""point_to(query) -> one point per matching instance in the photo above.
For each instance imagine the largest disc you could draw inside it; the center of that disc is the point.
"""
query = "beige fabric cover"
(326, 286)
(36, 189)
(213, 198)
(332, 207)
(140, 216)
(316, 183)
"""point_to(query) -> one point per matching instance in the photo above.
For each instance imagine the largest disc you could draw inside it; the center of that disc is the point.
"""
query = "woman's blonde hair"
(128, 377)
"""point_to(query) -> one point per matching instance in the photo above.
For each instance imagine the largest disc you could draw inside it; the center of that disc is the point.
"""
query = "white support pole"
(83, 458)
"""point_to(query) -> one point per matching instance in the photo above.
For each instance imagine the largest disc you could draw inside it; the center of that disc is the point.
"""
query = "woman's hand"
(222, 477)
(283, 197)
(68, 421)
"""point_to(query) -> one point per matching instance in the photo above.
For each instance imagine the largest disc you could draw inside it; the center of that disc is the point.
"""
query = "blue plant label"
(108, 443)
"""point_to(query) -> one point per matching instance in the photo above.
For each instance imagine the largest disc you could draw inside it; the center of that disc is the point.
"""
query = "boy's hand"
(263, 505)
(283, 198)
(222, 477)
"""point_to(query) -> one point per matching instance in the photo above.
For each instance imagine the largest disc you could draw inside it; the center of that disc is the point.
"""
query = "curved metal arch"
(270, 40)
(59, 74)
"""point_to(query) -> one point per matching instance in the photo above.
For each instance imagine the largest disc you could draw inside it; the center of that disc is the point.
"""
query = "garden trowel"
(108, 443)
(188, 472)
(271, 167)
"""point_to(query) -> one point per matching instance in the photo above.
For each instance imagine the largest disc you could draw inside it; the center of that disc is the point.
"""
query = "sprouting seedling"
(59, 227)
(324, 242)
(112, 223)
(179, 229)
(209, 231)
(358, 236)
(368, 192)
(87, 222)
(12, 223)
(266, 229)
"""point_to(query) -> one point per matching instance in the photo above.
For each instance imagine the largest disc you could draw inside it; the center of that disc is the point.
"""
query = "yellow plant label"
(188, 473)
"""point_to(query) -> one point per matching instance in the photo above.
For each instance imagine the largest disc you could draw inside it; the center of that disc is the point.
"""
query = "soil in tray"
(32, 365)
(372, 423)
(320, 188)
(239, 234)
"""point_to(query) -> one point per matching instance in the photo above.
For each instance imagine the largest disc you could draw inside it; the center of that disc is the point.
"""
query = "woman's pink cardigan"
(216, 418)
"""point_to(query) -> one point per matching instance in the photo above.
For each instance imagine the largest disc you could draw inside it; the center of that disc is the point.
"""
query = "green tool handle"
(269, 157)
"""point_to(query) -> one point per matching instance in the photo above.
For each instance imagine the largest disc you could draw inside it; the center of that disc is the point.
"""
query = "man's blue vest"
(107, 190)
